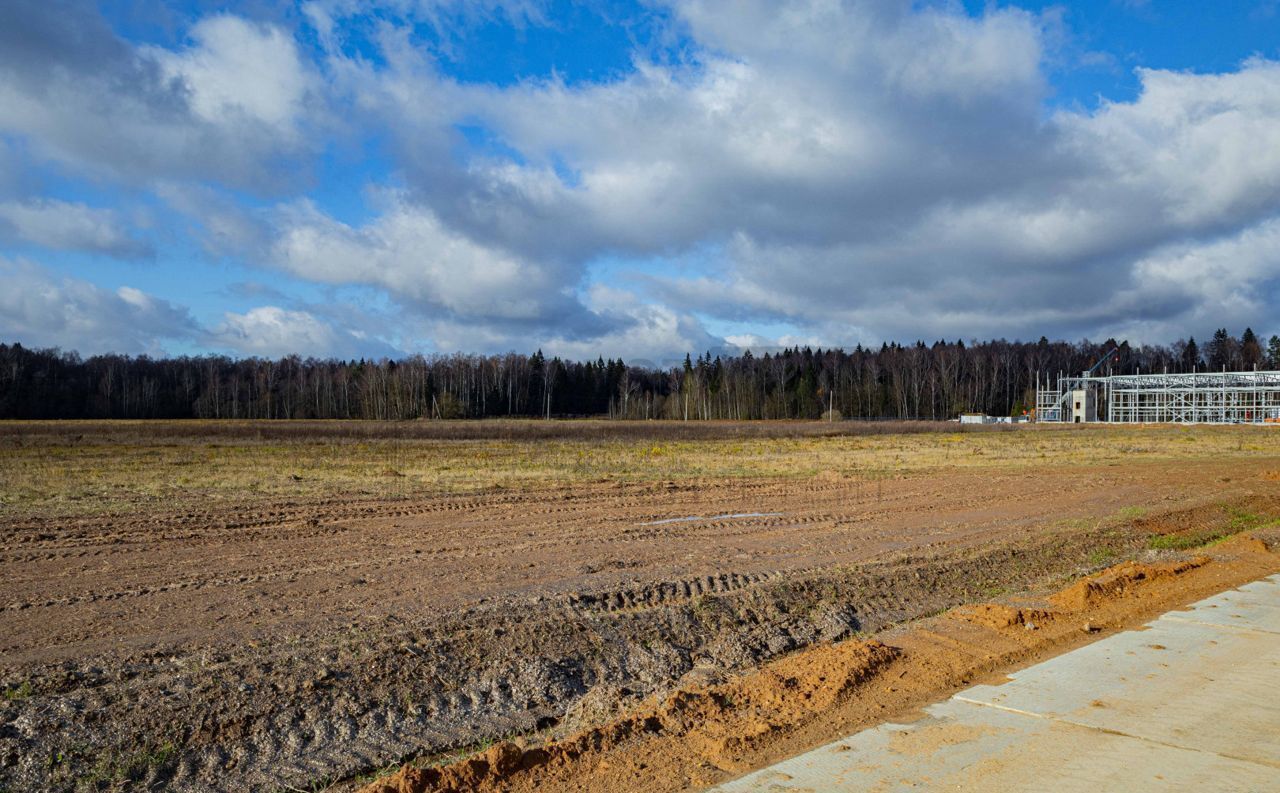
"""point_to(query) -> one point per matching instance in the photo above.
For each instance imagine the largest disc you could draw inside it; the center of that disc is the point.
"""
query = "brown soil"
(151, 579)
(485, 429)
(1120, 581)
(310, 641)
(700, 735)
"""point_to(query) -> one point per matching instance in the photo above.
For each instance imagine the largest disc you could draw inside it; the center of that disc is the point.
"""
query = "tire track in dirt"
(478, 538)
(331, 637)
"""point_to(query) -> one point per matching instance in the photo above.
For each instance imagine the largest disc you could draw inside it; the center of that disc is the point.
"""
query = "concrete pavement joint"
(1113, 731)
(1243, 628)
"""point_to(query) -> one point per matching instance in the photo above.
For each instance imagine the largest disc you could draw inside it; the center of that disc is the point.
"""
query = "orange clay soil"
(705, 733)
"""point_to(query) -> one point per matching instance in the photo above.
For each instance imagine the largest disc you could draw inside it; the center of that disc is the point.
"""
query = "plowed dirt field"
(263, 638)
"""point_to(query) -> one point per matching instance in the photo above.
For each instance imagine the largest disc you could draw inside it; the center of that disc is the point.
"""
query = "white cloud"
(274, 332)
(638, 331)
(412, 254)
(227, 109)
(1233, 280)
(799, 131)
(1042, 242)
(68, 226)
(1201, 148)
(41, 309)
(239, 70)
(802, 121)
(871, 170)
(865, 170)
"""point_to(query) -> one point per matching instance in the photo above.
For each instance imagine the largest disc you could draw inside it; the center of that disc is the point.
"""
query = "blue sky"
(633, 179)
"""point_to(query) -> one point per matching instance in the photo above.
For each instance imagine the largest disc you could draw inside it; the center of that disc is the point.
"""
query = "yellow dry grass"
(65, 472)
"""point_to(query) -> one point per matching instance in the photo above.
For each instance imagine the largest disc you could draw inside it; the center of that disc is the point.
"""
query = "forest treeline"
(899, 381)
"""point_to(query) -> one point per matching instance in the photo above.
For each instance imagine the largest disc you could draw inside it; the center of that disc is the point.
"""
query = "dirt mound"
(717, 722)
(1252, 543)
(998, 616)
(1120, 581)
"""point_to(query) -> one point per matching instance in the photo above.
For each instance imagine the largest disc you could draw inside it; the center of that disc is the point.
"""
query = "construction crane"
(1101, 361)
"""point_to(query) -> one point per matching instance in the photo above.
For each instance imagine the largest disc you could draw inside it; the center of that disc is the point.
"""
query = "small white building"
(1084, 405)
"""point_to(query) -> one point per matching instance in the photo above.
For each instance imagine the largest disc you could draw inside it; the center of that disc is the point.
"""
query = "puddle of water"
(726, 516)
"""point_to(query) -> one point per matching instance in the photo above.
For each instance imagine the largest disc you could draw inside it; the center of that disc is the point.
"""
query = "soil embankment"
(700, 733)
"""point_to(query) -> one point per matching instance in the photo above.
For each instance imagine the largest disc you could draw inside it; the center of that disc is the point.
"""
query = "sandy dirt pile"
(998, 615)
(699, 735)
(1121, 581)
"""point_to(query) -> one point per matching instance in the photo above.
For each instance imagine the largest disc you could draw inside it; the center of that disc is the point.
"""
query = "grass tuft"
(19, 692)
(1238, 521)
(1101, 557)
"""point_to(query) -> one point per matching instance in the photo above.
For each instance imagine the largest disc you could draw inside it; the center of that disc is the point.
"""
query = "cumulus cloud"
(857, 171)
(1234, 276)
(274, 332)
(237, 71)
(1186, 165)
(871, 170)
(224, 108)
(815, 121)
(42, 309)
(63, 225)
(411, 253)
(813, 133)
(640, 331)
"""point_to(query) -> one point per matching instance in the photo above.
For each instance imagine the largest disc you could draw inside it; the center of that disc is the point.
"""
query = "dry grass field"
(94, 467)
(295, 605)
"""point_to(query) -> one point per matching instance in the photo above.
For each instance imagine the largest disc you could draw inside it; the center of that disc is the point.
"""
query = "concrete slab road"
(1190, 701)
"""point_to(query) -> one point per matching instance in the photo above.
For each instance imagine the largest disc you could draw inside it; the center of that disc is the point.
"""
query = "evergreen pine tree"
(1250, 350)
(1191, 356)
(1219, 350)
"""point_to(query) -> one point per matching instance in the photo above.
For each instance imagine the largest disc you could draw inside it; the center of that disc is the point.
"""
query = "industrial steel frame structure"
(1196, 398)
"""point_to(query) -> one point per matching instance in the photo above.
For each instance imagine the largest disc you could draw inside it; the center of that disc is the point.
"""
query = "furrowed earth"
(302, 605)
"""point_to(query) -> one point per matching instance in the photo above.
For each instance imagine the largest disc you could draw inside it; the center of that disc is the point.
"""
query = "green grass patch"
(19, 692)
(1238, 521)
(1182, 542)
(376, 774)
(1101, 556)
(993, 590)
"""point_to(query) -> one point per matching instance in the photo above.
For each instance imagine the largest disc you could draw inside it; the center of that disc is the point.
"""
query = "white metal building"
(1197, 398)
